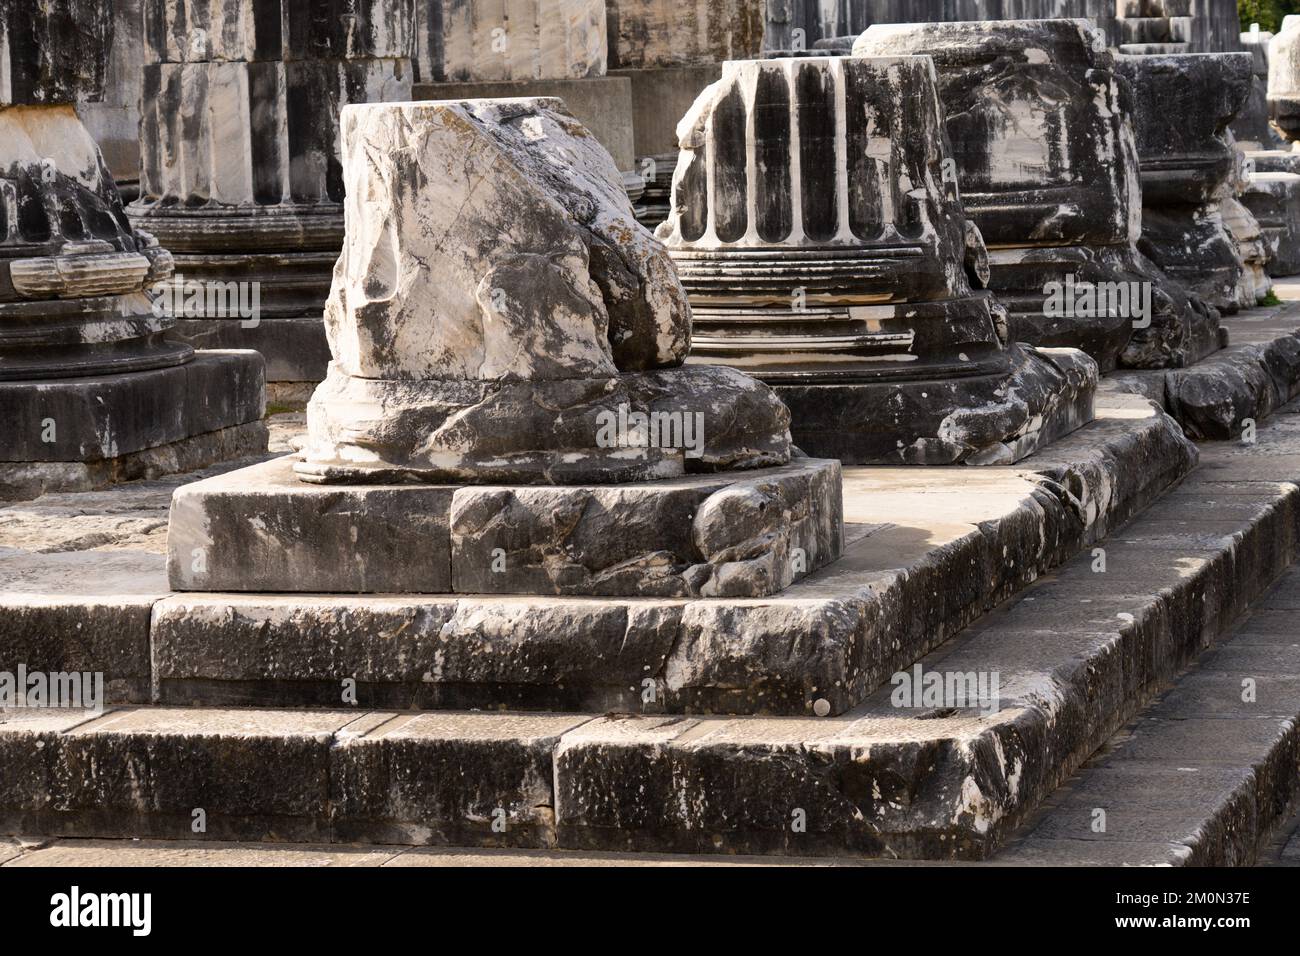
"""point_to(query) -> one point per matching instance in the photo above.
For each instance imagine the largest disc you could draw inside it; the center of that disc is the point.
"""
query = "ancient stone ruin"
(1056, 209)
(923, 485)
(91, 387)
(498, 318)
(240, 176)
(824, 251)
(1273, 193)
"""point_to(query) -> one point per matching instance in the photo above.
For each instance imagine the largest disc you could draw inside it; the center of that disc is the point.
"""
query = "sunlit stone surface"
(1043, 139)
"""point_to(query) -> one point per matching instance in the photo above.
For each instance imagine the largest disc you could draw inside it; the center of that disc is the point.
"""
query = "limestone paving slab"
(253, 774)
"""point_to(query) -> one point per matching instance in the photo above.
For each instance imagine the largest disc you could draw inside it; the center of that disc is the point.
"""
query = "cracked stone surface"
(1052, 205)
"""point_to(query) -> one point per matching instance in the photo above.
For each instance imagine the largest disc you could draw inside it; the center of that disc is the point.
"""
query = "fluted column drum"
(73, 273)
(813, 229)
(819, 233)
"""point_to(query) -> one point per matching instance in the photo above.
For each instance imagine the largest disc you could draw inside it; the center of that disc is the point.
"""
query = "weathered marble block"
(203, 31)
(1189, 165)
(86, 371)
(825, 252)
(1252, 247)
(1250, 127)
(1284, 79)
(650, 34)
(496, 300)
(54, 52)
(1273, 191)
(461, 41)
(1161, 27)
(1043, 141)
(1273, 198)
(114, 118)
(260, 530)
(240, 172)
(808, 24)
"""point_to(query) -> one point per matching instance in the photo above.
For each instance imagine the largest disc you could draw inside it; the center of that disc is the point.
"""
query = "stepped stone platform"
(1205, 775)
(1108, 472)
(1078, 654)
(1257, 372)
(924, 553)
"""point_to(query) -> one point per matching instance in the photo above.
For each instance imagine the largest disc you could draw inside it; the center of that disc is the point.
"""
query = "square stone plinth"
(103, 417)
(738, 534)
(78, 434)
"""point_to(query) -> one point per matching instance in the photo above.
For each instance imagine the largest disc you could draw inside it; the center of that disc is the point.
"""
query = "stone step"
(1204, 776)
(1258, 372)
(73, 852)
(1076, 656)
(926, 552)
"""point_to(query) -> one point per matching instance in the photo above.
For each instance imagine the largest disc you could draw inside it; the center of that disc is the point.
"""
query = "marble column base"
(1274, 199)
(992, 418)
(1182, 328)
(735, 534)
(105, 417)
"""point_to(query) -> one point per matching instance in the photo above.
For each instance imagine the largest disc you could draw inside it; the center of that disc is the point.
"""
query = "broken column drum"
(1042, 135)
(86, 372)
(1189, 166)
(240, 174)
(499, 319)
(825, 253)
